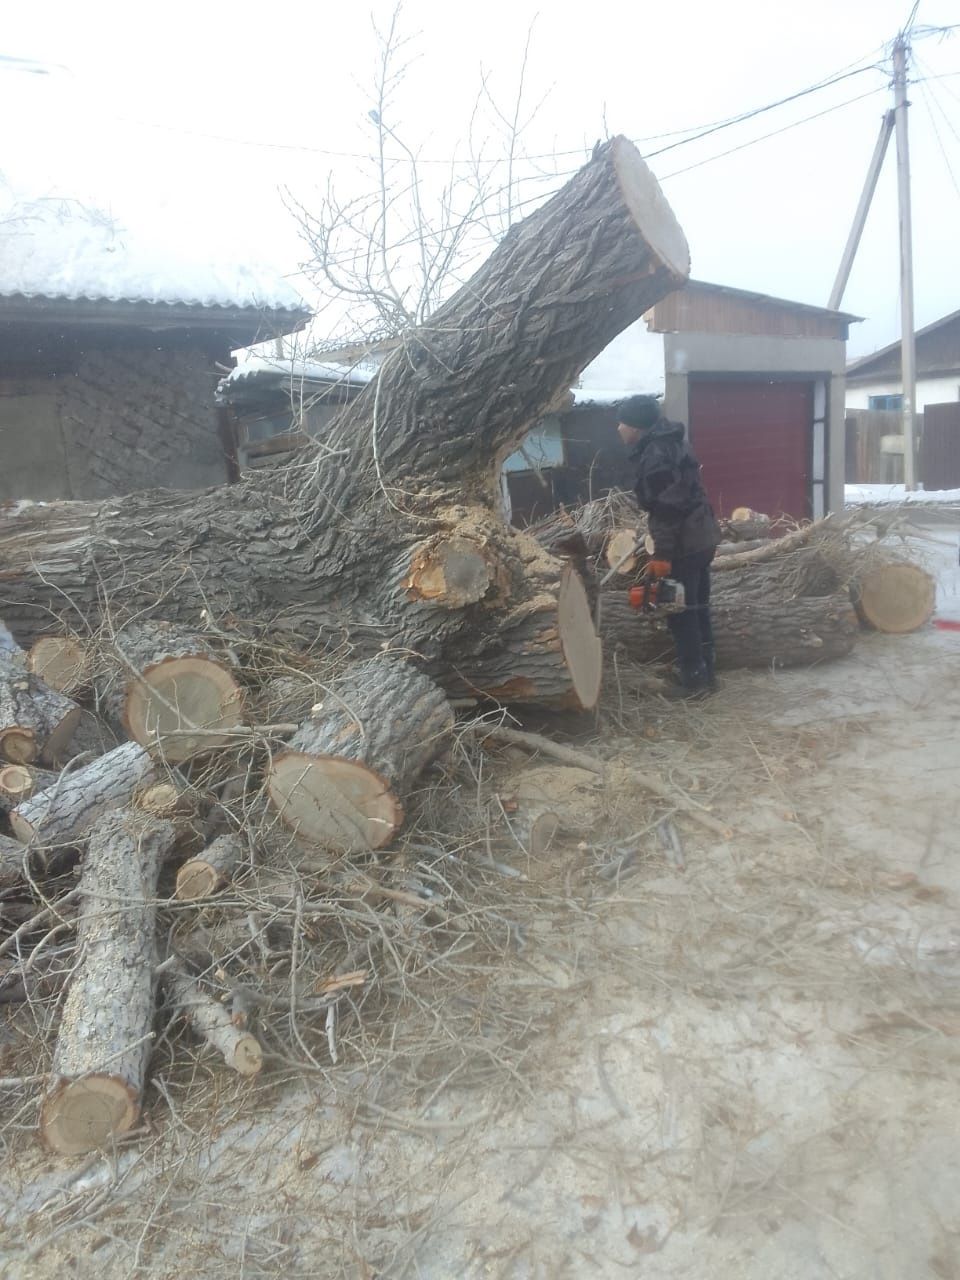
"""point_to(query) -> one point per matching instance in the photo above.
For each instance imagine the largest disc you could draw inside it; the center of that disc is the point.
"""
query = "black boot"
(691, 682)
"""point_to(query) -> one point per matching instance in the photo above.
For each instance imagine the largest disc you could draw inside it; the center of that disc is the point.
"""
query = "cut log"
(896, 598)
(18, 783)
(620, 551)
(548, 654)
(750, 630)
(64, 663)
(211, 870)
(318, 550)
(61, 814)
(96, 1081)
(210, 1021)
(167, 683)
(36, 722)
(341, 781)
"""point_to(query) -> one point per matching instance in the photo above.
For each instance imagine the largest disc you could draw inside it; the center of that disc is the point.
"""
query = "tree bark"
(386, 531)
(166, 681)
(12, 855)
(36, 722)
(63, 813)
(104, 1039)
(341, 781)
(750, 630)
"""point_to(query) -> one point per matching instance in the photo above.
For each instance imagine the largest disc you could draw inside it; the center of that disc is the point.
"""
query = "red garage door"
(754, 442)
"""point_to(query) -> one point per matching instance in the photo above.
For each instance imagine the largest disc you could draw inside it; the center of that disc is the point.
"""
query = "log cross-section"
(340, 781)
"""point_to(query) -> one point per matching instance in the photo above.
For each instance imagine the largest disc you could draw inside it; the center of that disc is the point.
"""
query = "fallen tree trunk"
(103, 1045)
(36, 722)
(168, 682)
(387, 530)
(750, 630)
(61, 814)
(340, 782)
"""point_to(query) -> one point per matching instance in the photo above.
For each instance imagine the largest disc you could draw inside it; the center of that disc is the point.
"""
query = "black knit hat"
(640, 412)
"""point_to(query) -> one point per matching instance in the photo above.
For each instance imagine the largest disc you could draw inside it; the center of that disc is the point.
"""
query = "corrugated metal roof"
(863, 364)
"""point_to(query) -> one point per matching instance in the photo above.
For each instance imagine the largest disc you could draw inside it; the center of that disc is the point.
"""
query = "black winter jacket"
(668, 488)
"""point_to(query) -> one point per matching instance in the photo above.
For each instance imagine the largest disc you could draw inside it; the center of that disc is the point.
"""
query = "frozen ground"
(749, 1071)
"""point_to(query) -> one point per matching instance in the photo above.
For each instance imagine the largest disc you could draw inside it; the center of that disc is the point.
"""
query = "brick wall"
(113, 418)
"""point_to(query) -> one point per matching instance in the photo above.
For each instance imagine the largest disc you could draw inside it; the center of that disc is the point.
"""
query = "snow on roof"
(61, 248)
(603, 395)
(276, 370)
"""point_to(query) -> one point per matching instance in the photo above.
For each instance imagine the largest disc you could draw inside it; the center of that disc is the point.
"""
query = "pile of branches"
(796, 599)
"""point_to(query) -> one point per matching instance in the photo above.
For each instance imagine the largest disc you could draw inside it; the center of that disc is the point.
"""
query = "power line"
(695, 133)
(774, 133)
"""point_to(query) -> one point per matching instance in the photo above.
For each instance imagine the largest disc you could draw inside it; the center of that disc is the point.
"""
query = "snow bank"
(858, 495)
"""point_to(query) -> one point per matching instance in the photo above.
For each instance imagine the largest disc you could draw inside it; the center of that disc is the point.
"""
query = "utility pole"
(863, 208)
(908, 343)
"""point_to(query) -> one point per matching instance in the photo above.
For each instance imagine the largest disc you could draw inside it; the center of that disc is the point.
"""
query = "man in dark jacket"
(683, 528)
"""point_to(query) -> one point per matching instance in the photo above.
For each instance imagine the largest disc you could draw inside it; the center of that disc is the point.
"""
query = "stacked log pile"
(280, 663)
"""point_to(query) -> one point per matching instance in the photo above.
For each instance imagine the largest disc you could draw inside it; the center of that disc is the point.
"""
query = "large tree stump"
(341, 780)
(172, 691)
(387, 530)
(103, 1045)
(61, 814)
(36, 722)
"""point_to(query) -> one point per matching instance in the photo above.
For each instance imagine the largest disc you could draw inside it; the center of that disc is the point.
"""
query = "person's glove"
(658, 569)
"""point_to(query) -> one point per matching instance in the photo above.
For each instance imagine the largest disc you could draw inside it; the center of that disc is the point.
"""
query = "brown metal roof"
(717, 308)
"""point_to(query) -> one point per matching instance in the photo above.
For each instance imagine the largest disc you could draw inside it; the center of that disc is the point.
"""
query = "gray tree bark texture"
(340, 781)
(103, 1044)
(388, 530)
(12, 855)
(18, 783)
(66, 810)
(36, 722)
(750, 629)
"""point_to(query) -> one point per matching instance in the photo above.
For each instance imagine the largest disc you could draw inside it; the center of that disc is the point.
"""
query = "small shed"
(759, 381)
(111, 347)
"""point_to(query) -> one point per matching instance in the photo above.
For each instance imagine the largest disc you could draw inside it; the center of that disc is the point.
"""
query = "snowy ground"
(750, 1069)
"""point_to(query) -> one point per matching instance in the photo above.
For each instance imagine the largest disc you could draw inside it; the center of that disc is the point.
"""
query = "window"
(886, 402)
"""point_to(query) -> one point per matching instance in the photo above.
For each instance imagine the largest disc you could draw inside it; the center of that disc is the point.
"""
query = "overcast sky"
(191, 119)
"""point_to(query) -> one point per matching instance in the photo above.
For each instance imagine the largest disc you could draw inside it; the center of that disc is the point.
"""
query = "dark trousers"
(692, 631)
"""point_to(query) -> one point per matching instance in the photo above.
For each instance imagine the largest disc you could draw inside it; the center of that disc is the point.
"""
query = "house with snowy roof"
(111, 346)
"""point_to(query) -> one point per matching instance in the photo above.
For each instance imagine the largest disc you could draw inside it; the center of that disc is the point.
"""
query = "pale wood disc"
(334, 803)
(87, 1114)
(193, 692)
(62, 663)
(897, 598)
(582, 650)
(18, 745)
